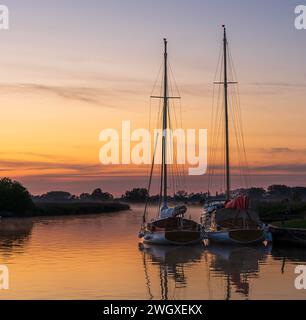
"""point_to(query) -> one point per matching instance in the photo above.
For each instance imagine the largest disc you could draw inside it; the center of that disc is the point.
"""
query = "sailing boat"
(231, 221)
(170, 228)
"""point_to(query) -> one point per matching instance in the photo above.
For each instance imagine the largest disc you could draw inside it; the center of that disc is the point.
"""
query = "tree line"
(14, 197)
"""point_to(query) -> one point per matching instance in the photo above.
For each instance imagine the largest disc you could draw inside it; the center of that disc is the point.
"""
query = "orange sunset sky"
(72, 68)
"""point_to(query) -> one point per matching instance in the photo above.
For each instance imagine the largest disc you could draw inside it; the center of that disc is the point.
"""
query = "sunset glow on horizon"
(72, 69)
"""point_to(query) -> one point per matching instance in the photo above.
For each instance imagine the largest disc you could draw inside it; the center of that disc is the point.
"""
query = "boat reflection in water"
(171, 261)
(237, 265)
(199, 270)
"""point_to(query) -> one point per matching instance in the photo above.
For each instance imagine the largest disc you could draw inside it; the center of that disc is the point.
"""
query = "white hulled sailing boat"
(170, 227)
(231, 221)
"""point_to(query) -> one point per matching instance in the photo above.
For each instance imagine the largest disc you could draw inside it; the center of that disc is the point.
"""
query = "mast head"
(224, 31)
(165, 43)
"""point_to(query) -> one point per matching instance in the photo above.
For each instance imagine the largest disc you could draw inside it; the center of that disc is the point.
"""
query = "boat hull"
(288, 236)
(175, 237)
(238, 237)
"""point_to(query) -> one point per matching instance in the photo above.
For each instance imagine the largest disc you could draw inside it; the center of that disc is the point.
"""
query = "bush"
(14, 197)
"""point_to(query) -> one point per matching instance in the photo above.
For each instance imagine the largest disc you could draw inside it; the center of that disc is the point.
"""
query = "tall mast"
(165, 126)
(228, 182)
(165, 97)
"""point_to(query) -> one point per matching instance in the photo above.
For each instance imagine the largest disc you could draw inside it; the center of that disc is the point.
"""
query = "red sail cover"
(239, 203)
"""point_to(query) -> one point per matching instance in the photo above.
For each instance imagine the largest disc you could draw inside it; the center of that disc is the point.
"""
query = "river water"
(99, 257)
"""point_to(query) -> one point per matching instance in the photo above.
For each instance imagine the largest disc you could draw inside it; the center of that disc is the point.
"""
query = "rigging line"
(152, 92)
(158, 196)
(159, 125)
(177, 169)
(224, 160)
(150, 182)
(216, 137)
(174, 80)
(235, 120)
(174, 158)
(213, 139)
(173, 110)
(212, 146)
(241, 150)
(150, 108)
(213, 125)
(180, 169)
(216, 124)
(181, 172)
(233, 112)
(170, 153)
(157, 78)
(222, 141)
(233, 117)
(240, 116)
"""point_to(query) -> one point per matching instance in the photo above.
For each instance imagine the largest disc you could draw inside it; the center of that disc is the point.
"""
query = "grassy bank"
(294, 224)
(278, 211)
(76, 208)
(70, 209)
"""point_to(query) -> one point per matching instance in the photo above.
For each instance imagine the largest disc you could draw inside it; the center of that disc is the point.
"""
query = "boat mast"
(228, 182)
(165, 97)
(165, 127)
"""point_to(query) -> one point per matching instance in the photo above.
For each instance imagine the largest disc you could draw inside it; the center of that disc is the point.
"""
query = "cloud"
(63, 170)
(279, 84)
(283, 168)
(34, 154)
(283, 150)
(82, 94)
(98, 96)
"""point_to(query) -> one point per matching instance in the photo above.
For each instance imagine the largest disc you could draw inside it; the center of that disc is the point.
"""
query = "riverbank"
(69, 209)
(291, 224)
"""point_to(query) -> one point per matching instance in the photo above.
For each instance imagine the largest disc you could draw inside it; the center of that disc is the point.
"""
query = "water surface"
(99, 257)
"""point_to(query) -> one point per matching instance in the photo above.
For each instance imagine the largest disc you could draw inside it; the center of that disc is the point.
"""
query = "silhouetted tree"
(98, 194)
(14, 197)
(181, 196)
(56, 196)
(136, 195)
(298, 193)
(85, 196)
(197, 197)
(280, 191)
(256, 193)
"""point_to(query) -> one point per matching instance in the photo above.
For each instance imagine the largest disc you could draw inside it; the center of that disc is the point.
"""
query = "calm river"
(99, 257)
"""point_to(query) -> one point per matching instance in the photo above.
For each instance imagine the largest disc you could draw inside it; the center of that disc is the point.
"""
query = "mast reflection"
(237, 265)
(171, 262)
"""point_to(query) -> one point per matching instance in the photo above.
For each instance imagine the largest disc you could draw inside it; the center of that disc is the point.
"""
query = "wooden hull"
(174, 237)
(288, 236)
(173, 231)
(238, 237)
